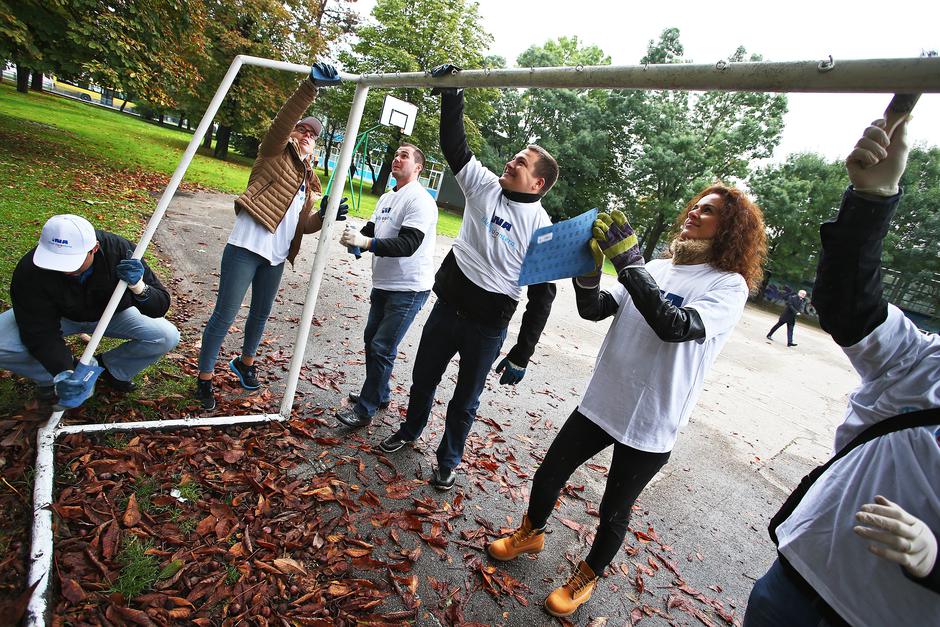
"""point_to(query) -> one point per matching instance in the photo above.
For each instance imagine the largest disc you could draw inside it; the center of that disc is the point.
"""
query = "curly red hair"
(740, 244)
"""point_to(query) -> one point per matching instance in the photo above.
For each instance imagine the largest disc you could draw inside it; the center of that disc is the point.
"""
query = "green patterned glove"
(615, 237)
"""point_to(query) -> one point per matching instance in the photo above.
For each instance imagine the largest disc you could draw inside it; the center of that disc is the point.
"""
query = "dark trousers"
(447, 333)
(631, 469)
(784, 320)
(390, 316)
(778, 601)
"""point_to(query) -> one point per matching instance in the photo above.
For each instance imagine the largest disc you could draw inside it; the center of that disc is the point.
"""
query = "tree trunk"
(327, 151)
(123, 104)
(221, 141)
(22, 79)
(653, 235)
(762, 289)
(180, 124)
(160, 119)
(36, 84)
(207, 140)
(378, 186)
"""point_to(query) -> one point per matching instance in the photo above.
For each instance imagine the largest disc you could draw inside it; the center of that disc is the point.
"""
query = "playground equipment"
(916, 75)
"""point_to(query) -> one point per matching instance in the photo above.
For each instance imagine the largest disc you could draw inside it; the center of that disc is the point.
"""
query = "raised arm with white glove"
(877, 162)
(898, 536)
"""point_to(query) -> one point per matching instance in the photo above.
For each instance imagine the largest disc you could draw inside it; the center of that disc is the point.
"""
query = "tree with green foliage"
(683, 141)
(575, 125)
(796, 197)
(415, 36)
(911, 247)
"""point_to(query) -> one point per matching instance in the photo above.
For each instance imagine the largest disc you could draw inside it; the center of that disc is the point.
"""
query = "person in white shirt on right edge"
(671, 319)
(857, 540)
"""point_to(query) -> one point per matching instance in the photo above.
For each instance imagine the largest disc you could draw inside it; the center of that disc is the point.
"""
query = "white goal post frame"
(911, 75)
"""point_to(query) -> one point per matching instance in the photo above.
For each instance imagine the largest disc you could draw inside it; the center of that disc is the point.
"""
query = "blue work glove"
(131, 271)
(512, 374)
(616, 239)
(340, 212)
(324, 75)
(74, 387)
(447, 69)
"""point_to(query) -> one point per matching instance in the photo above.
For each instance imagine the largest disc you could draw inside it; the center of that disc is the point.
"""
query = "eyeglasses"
(303, 129)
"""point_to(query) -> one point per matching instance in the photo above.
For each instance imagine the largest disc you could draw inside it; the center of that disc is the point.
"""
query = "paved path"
(766, 417)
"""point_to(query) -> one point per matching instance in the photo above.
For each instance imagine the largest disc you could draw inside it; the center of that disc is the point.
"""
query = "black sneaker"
(118, 385)
(247, 375)
(394, 443)
(443, 479)
(790, 345)
(349, 417)
(354, 398)
(205, 394)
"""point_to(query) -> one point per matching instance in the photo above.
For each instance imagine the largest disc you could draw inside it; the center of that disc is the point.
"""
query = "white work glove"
(876, 163)
(352, 237)
(899, 536)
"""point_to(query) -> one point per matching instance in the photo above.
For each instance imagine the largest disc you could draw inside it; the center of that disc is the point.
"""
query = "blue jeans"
(148, 340)
(389, 318)
(240, 269)
(447, 333)
(777, 601)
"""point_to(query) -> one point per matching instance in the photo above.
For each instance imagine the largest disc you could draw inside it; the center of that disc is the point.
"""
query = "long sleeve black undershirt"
(453, 136)
(541, 296)
(404, 245)
(668, 322)
(848, 294)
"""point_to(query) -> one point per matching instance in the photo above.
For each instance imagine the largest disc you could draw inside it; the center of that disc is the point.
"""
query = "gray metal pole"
(915, 75)
(323, 246)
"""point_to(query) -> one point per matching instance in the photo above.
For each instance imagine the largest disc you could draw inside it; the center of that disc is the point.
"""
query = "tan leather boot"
(577, 590)
(523, 540)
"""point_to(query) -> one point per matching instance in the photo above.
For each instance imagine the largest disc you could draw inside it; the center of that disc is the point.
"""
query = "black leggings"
(630, 471)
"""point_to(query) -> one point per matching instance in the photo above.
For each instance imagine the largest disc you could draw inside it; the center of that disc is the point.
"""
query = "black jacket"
(41, 298)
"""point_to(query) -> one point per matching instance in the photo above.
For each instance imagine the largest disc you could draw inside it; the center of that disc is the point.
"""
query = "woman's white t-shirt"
(643, 389)
(248, 233)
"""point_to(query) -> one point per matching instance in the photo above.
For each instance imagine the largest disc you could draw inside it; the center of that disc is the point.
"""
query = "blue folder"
(559, 251)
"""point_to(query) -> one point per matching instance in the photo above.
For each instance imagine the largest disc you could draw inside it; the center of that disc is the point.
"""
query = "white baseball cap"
(65, 242)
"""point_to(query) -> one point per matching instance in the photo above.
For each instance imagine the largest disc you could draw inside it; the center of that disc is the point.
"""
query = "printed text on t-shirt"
(497, 226)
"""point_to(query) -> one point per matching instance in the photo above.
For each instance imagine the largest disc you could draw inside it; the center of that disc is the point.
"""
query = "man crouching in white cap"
(61, 288)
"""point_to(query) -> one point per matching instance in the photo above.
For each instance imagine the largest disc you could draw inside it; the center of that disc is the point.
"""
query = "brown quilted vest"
(278, 172)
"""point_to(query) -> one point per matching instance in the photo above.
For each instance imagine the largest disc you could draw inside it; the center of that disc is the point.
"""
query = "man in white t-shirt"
(400, 235)
(888, 446)
(477, 287)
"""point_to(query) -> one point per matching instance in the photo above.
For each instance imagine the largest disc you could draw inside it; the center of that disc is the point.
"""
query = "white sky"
(794, 30)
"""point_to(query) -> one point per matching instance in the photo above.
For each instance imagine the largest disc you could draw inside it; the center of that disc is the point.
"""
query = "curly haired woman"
(671, 319)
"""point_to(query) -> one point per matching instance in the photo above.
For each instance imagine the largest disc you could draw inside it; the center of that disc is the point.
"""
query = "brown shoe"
(577, 590)
(525, 539)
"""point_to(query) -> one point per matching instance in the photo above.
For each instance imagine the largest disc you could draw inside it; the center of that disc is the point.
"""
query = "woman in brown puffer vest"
(272, 216)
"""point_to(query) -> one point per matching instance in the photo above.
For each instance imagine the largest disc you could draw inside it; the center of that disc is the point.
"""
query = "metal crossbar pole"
(913, 75)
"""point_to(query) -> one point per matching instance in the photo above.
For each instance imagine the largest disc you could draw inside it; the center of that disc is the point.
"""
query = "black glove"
(324, 75)
(447, 69)
(340, 213)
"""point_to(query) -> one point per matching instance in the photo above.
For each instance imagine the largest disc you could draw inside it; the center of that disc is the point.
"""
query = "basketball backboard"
(399, 113)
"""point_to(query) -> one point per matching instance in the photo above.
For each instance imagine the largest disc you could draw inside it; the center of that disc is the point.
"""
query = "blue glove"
(447, 69)
(75, 387)
(130, 271)
(340, 212)
(512, 374)
(324, 75)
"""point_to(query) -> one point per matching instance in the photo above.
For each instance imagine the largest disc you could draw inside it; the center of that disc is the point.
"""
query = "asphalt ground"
(699, 540)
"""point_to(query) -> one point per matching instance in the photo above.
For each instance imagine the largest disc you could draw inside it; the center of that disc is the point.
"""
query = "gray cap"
(313, 123)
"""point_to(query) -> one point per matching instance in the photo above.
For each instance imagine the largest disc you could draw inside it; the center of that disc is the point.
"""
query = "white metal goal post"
(914, 75)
